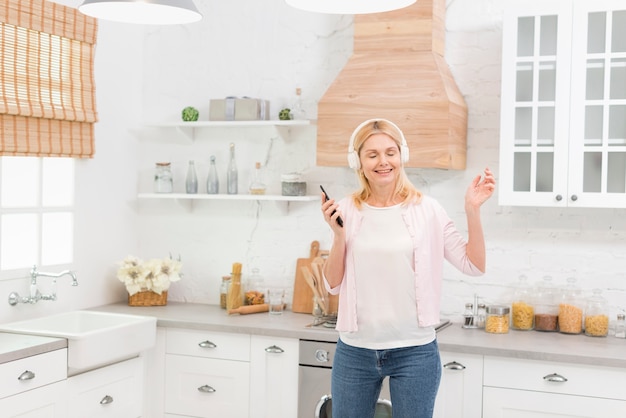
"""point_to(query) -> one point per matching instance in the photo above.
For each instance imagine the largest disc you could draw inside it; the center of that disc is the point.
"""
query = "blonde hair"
(404, 187)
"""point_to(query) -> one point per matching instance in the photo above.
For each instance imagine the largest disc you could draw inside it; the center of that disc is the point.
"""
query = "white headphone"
(353, 155)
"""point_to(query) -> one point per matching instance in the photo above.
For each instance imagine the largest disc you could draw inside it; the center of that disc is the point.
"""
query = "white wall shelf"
(185, 198)
(189, 128)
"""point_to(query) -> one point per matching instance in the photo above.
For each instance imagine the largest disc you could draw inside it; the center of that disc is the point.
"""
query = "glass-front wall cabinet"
(563, 126)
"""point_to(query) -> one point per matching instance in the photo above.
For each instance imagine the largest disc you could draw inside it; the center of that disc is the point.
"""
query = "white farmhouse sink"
(93, 338)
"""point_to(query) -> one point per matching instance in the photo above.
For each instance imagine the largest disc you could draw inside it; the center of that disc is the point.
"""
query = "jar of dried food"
(596, 315)
(546, 306)
(224, 291)
(254, 289)
(292, 185)
(163, 180)
(571, 309)
(497, 321)
(522, 311)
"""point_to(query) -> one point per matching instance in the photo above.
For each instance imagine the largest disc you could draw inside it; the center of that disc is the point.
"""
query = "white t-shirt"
(385, 283)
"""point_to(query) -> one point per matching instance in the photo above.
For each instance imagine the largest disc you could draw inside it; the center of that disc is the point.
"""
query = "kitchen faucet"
(35, 296)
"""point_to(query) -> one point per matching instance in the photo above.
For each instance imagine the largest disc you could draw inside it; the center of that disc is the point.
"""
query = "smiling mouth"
(388, 170)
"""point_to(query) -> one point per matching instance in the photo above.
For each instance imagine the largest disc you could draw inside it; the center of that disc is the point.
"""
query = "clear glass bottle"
(522, 311)
(163, 179)
(468, 316)
(254, 289)
(256, 184)
(482, 315)
(231, 174)
(297, 111)
(191, 182)
(596, 315)
(620, 326)
(571, 309)
(546, 306)
(212, 182)
(224, 291)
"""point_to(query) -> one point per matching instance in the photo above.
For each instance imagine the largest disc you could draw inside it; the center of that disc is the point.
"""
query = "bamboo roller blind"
(47, 89)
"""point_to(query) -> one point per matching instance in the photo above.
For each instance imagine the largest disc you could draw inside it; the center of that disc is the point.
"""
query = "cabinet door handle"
(207, 344)
(106, 400)
(274, 349)
(574, 198)
(554, 377)
(558, 197)
(206, 389)
(453, 365)
(27, 375)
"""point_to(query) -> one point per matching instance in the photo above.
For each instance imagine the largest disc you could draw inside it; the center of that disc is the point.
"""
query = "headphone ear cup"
(404, 153)
(353, 160)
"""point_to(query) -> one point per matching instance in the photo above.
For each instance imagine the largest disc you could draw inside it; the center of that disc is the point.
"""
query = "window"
(36, 212)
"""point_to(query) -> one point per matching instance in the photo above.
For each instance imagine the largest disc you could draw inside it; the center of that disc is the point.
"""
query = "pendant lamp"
(149, 12)
(349, 7)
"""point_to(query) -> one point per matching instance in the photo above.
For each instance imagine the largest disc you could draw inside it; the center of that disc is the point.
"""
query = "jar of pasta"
(571, 309)
(497, 321)
(596, 315)
(522, 311)
(546, 306)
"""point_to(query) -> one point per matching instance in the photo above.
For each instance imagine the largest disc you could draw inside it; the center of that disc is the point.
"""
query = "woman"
(386, 264)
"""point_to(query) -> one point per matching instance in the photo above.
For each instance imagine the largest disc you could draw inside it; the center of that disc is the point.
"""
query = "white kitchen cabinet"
(273, 377)
(207, 374)
(34, 387)
(114, 391)
(519, 388)
(563, 104)
(460, 391)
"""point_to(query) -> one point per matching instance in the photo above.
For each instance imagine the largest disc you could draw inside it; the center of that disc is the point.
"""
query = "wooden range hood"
(397, 72)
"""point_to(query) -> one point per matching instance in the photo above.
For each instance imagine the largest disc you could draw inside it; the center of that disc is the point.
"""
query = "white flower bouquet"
(154, 275)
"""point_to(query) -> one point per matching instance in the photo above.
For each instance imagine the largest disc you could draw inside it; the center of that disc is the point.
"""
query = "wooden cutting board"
(302, 294)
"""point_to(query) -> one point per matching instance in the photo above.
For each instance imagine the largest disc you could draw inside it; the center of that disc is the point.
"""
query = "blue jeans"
(357, 375)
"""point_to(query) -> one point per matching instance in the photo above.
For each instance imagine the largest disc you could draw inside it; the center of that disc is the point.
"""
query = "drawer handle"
(554, 377)
(207, 344)
(106, 400)
(206, 389)
(27, 375)
(274, 349)
(453, 365)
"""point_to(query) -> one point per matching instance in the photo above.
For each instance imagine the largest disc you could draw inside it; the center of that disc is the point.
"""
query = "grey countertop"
(18, 346)
(532, 345)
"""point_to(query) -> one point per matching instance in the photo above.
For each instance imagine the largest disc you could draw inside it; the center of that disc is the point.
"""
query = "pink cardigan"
(438, 239)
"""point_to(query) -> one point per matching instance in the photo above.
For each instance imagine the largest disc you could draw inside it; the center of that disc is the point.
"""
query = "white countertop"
(18, 346)
(533, 345)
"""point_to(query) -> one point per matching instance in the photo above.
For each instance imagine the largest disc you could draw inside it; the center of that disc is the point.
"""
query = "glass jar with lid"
(224, 291)
(522, 311)
(546, 306)
(497, 321)
(254, 289)
(571, 308)
(596, 315)
(163, 180)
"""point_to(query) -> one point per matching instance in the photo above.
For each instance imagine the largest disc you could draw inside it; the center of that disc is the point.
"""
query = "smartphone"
(339, 220)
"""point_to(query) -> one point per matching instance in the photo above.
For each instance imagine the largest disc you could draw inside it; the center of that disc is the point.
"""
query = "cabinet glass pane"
(547, 40)
(545, 126)
(593, 125)
(545, 172)
(595, 80)
(547, 81)
(592, 172)
(525, 36)
(521, 172)
(596, 35)
(618, 78)
(523, 125)
(524, 82)
(616, 172)
(617, 125)
(618, 37)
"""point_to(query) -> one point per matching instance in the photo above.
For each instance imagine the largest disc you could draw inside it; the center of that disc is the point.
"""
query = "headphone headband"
(353, 156)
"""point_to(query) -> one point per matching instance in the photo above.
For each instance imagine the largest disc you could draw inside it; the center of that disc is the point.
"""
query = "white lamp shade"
(349, 7)
(149, 12)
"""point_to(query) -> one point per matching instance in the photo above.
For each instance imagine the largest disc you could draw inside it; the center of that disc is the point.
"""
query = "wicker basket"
(148, 298)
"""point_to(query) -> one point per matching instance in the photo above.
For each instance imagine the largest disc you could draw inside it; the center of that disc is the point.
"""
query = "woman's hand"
(480, 190)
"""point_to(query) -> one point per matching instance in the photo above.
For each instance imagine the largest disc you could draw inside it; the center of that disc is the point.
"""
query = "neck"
(383, 197)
